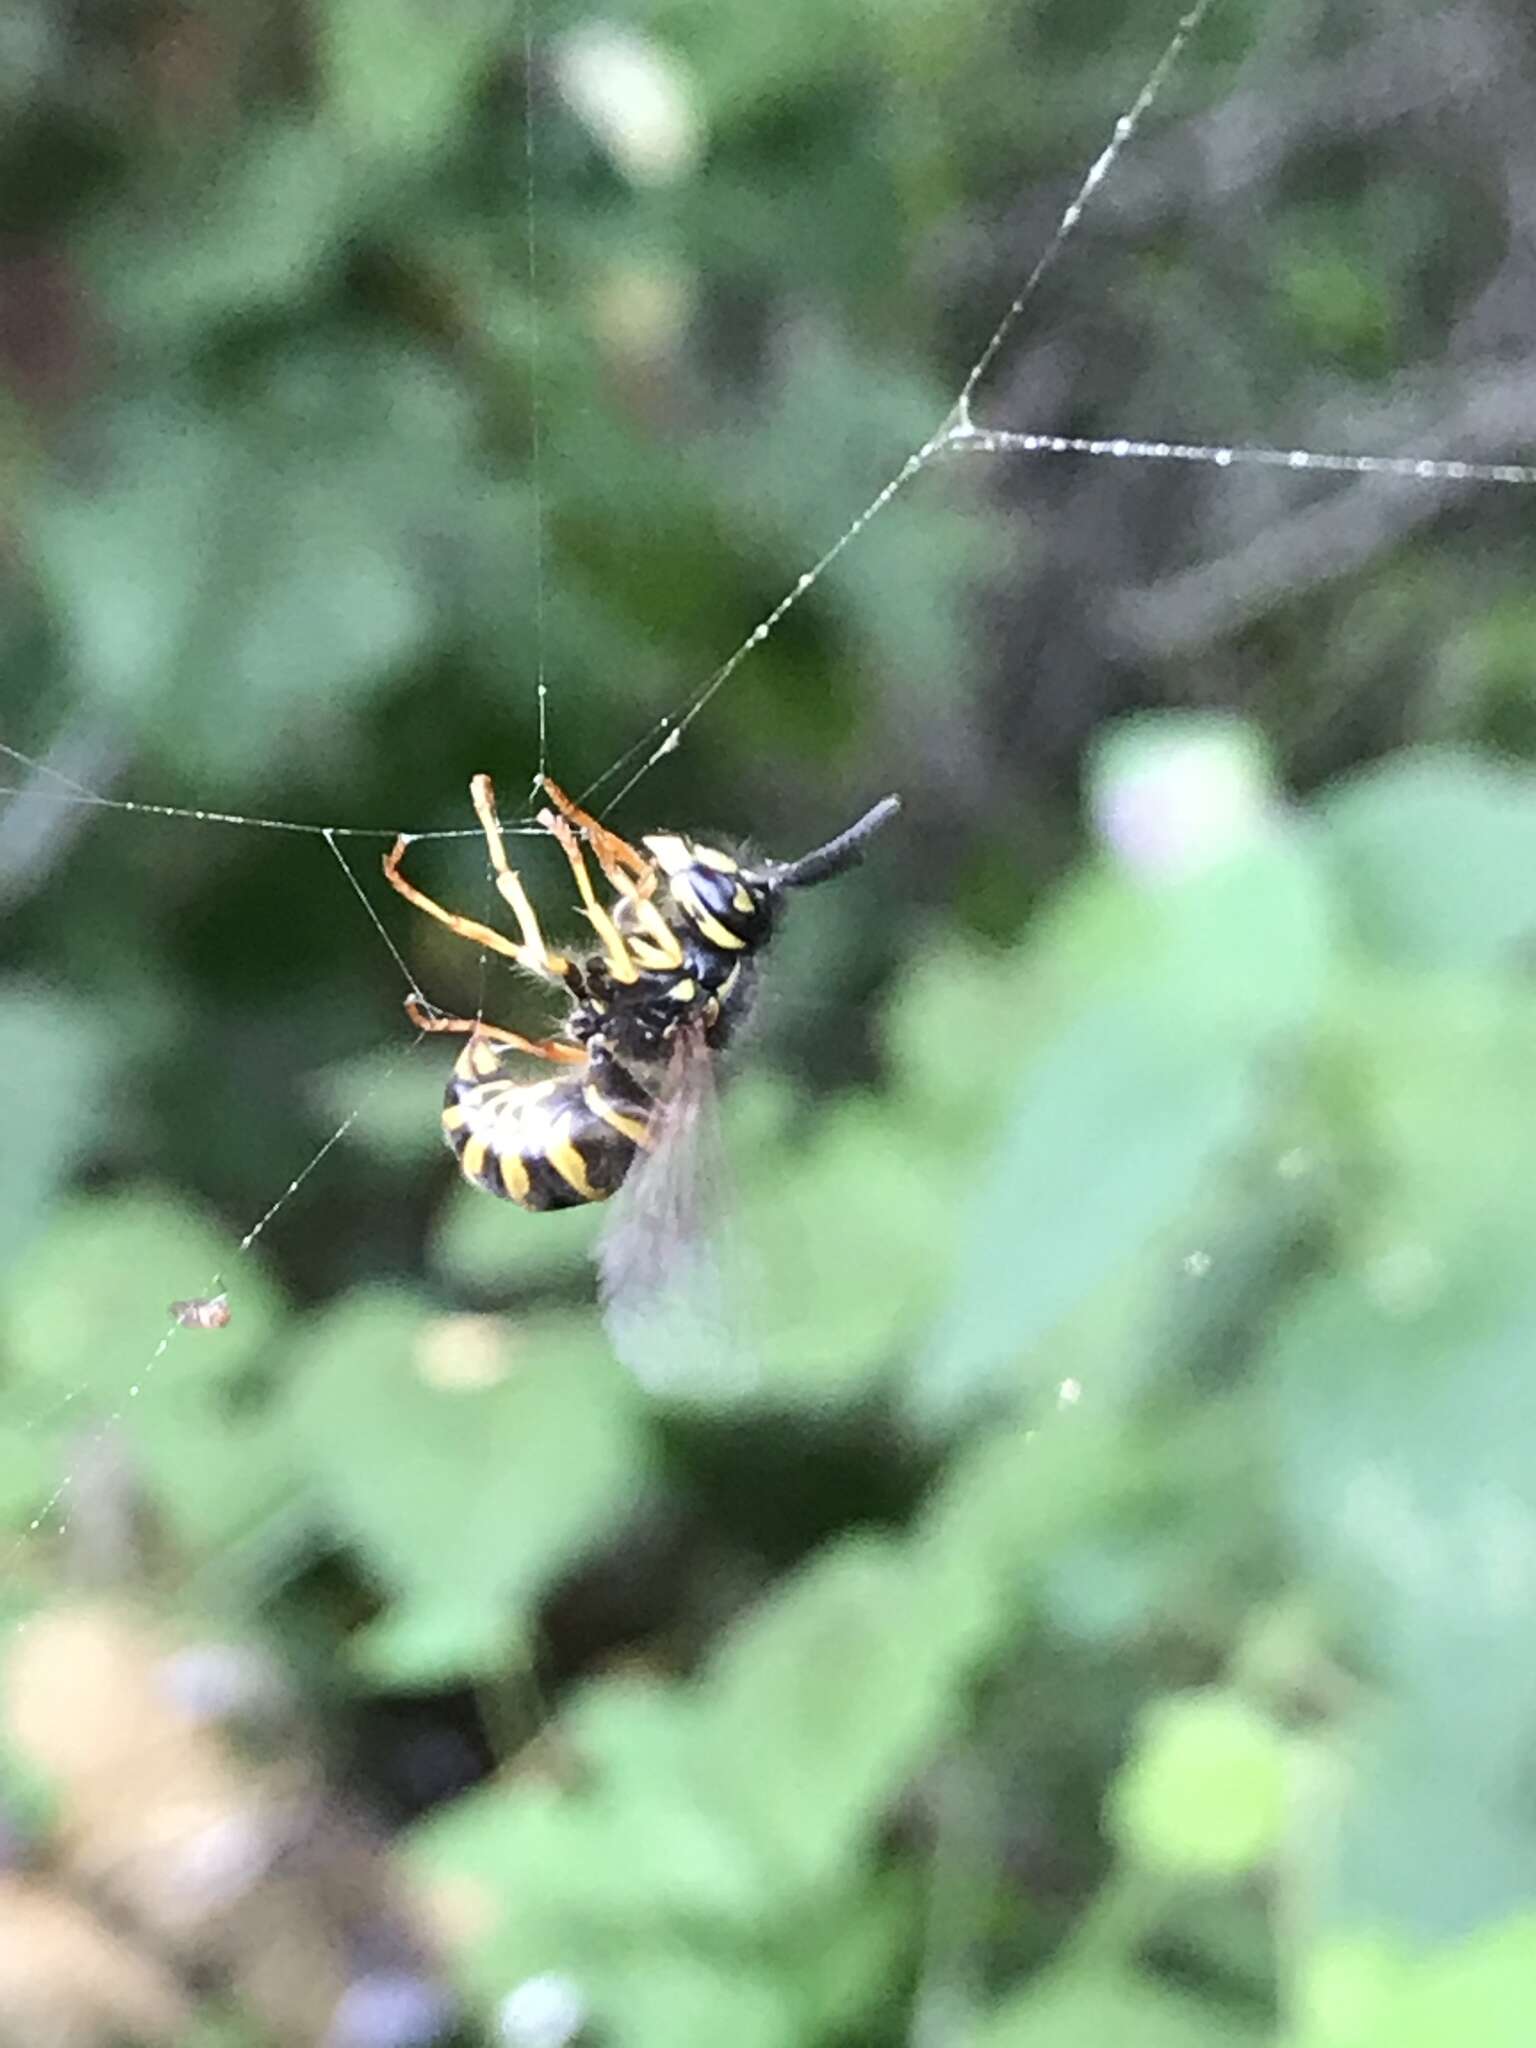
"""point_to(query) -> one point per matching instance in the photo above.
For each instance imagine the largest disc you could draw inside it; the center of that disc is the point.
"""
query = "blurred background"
(1104, 1612)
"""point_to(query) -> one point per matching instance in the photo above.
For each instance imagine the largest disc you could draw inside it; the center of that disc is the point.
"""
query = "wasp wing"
(672, 1276)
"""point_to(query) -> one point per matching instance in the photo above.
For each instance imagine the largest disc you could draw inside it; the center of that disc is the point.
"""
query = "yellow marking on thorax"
(472, 1159)
(514, 1176)
(671, 851)
(634, 1128)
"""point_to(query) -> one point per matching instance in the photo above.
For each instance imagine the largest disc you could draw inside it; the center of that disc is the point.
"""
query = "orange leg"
(615, 856)
(625, 868)
(621, 962)
(509, 885)
(472, 1027)
(531, 952)
(466, 927)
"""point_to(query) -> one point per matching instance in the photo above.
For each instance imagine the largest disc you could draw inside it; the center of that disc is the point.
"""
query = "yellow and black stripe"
(729, 909)
(675, 974)
(545, 1144)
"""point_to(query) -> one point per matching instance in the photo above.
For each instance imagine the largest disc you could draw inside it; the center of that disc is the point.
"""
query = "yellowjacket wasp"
(672, 976)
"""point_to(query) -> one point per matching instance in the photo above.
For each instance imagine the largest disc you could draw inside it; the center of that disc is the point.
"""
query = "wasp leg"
(535, 953)
(552, 966)
(472, 1027)
(626, 869)
(615, 856)
(621, 962)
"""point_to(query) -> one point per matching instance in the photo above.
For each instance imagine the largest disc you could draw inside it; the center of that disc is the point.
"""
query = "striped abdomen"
(544, 1144)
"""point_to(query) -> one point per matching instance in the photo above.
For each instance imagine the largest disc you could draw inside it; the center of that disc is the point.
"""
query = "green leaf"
(430, 1641)
(836, 1688)
(383, 1101)
(482, 1243)
(1076, 2010)
(29, 1462)
(660, 1846)
(1008, 1503)
(1405, 1441)
(276, 544)
(459, 1453)
(1436, 1316)
(125, 562)
(953, 994)
(54, 1078)
(1435, 854)
(1425, 1080)
(1342, 308)
(1173, 1004)
(658, 1998)
(86, 1325)
(503, 1861)
(1367, 1989)
(1407, 1477)
(89, 1311)
(249, 230)
(849, 1241)
(218, 2030)
(625, 1853)
(395, 77)
(739, 1807)
(219, 1480)
(1204, 1792)
(1108, 1141)
(1423, 1835)
(845, 1953)
(633, 1857)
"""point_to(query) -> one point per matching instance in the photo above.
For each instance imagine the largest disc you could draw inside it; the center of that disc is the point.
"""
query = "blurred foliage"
(1102, 1613)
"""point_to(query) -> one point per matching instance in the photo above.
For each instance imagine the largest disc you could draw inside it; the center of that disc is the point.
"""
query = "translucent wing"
(673, 1278)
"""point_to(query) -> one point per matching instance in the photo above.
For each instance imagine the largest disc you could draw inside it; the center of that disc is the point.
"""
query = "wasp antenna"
(837, 856)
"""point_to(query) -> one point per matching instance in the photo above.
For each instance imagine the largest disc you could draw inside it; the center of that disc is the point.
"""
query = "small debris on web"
(210, 1313)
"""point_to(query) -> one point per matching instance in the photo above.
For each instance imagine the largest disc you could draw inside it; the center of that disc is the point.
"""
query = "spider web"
(959, 433)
